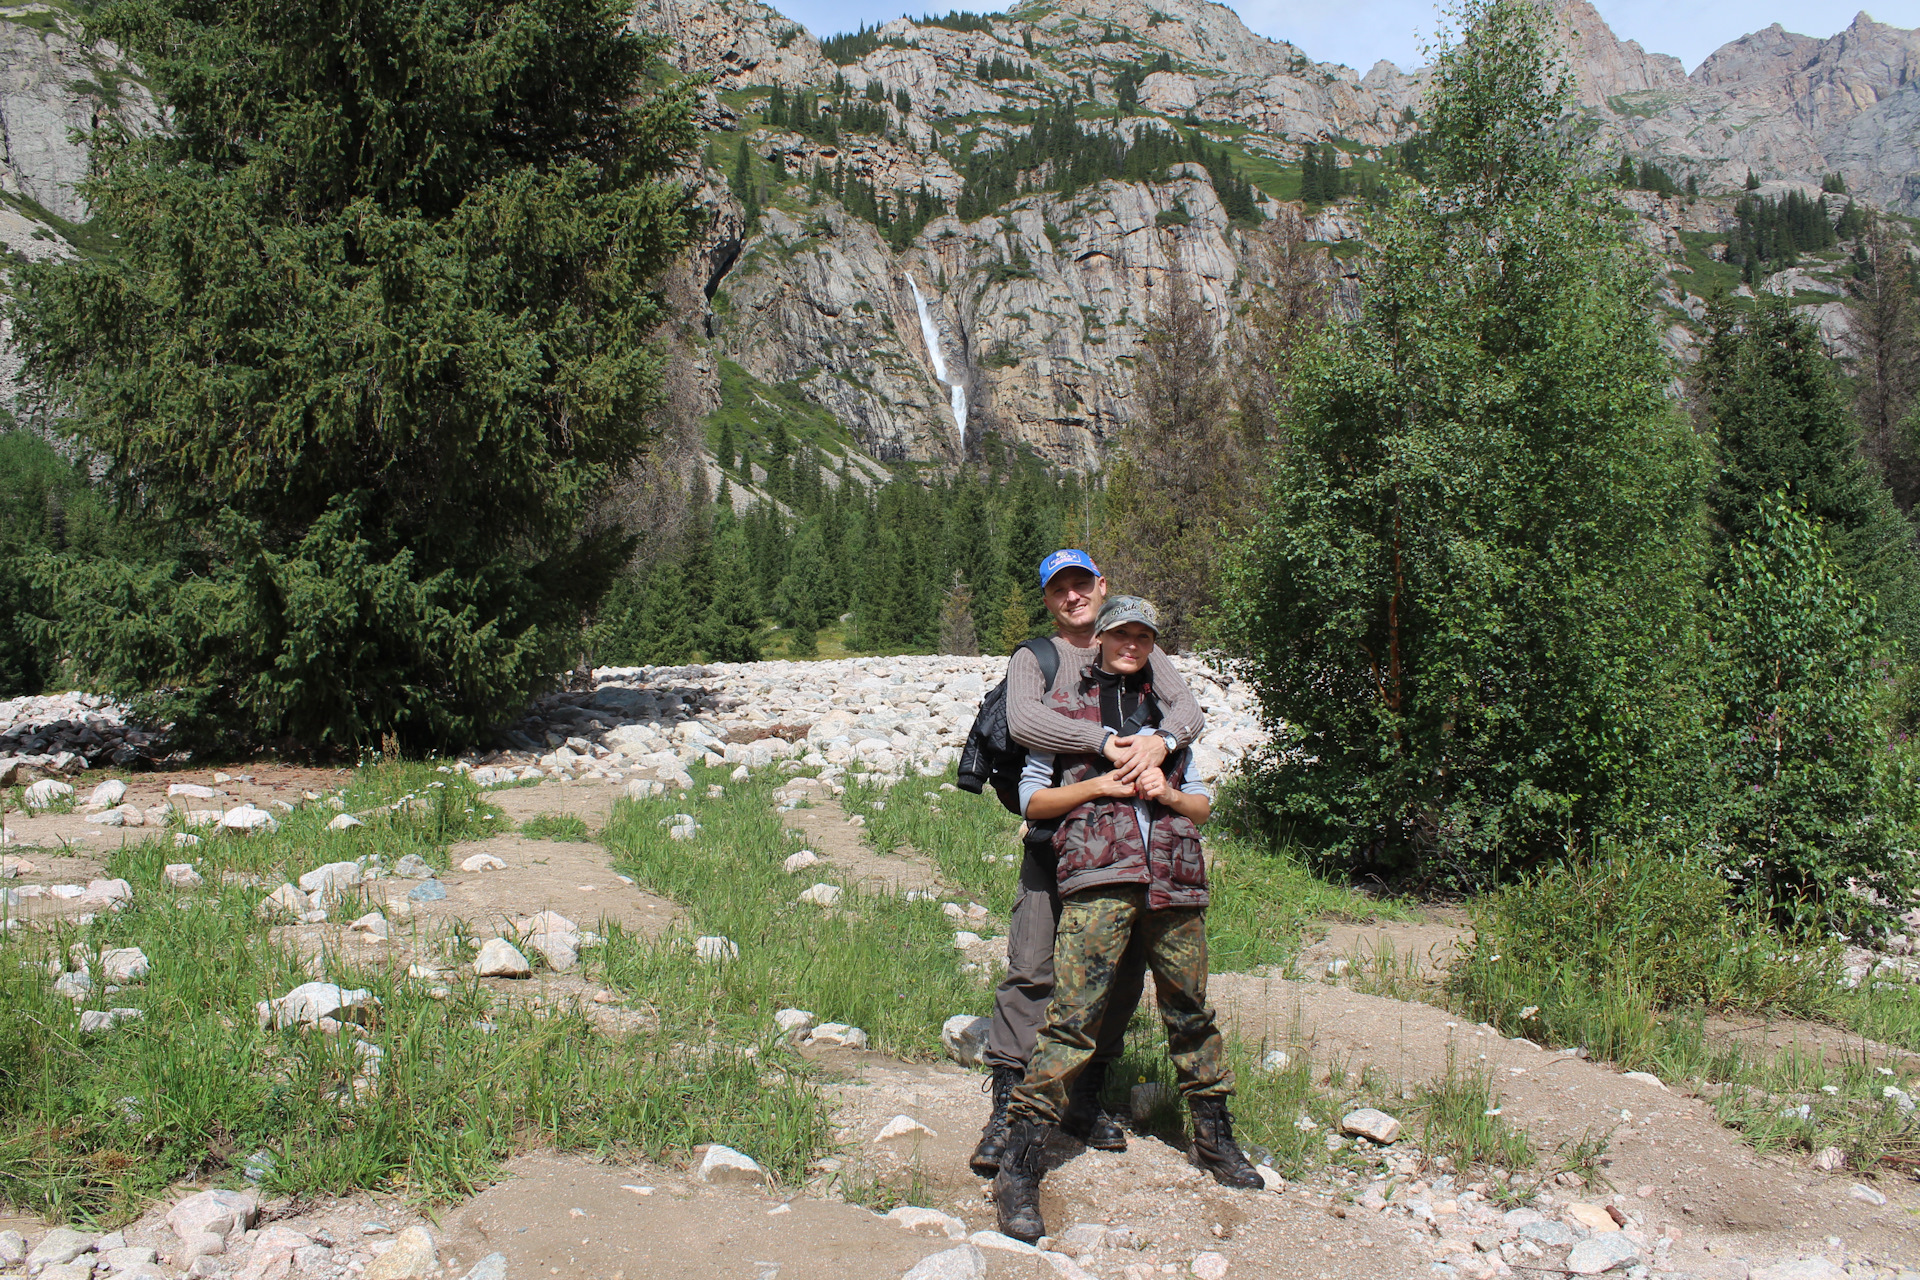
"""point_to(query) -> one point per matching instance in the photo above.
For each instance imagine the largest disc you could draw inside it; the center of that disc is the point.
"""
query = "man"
(1132, 875)
(1073, 589)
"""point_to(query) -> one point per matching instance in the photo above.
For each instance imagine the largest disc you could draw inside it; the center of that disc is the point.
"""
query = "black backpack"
(991, 758)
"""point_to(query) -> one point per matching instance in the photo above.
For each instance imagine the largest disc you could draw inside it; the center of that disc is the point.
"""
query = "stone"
(123, 965)
(1006, 1244)
(325, 885)
(965, 1038)
(414, 867)
(124, 1258)
(412, 1257)
(1554, 1235)
(1373, 1125)
(645, 789)
(248, 820)
(1644, 1077)
(964, 1262)
(285, 901)
(107, 891)
(491, 1267)
(962, 939)
(181, 875)
(928, 1222)
(271, 1257)
(1144, 1099)
(1209, 1266)
(78, 1270)
(107, 794)
(1866, 1194)
(725, 1165)
(711, 948)
(1593, 1217)
(560, 950)
(373, 924)
(483, 862)
(192, 791)
(185, 840)
(904, 1127)
(794, 1023)
(544, 922)
(838, 1035)
(220, 1213)
(60, 1245)
(13, 1248)
(343, 822)
(1275, 1060)
(821, 895)
(427, 891)
(1600, 1253)
(801, 861)
(46, 793)
(311, 1002)
(196, 1246)
(74, 986)
(501, 959)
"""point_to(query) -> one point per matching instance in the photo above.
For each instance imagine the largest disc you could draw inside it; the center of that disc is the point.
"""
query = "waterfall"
(957, 394)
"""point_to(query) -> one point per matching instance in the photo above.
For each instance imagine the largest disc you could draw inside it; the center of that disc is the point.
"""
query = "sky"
(1361, 32)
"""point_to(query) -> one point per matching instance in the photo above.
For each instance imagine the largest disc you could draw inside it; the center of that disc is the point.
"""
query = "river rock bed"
(877, 717)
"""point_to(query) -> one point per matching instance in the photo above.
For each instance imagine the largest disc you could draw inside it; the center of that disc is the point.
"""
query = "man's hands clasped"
(1135, 754)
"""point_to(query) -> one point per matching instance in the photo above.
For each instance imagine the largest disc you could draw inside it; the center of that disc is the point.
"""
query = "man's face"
(1074, 597)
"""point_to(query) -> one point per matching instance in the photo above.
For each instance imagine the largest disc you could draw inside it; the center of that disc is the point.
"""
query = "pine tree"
(667, 617)
(351, 210)
(729, 631)
(1780, 425)
(745, 189)
(1753, 183)
(957, 635)
(728, 451)
(1623, 176)
(1016, 620)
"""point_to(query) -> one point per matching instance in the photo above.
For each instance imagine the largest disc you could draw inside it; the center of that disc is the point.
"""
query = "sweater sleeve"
(1180, 713)
(1036, 777)
(1034, 725)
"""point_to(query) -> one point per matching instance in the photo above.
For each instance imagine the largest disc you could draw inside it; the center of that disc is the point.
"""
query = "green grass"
(554, 826)
(93, 1128)
(730, 882)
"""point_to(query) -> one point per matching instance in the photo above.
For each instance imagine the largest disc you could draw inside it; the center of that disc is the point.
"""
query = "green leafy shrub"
(373, 369)
(1812, 807)
(1590, 952)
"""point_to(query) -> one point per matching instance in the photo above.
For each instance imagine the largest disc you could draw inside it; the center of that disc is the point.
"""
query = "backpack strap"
(1048, 656)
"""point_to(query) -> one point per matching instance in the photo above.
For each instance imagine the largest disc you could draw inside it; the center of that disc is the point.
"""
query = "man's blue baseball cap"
(1066, 560)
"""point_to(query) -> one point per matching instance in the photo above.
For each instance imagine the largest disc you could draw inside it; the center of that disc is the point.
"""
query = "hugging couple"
(1113, 883)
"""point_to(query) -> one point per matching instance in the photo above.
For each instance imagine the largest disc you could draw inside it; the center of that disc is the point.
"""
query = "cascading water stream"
(957, 394)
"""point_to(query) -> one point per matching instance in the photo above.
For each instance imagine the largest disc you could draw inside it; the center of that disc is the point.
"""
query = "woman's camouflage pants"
(1095, 927)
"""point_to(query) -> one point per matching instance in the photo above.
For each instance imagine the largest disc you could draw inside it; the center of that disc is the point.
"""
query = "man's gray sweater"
(1033, 726)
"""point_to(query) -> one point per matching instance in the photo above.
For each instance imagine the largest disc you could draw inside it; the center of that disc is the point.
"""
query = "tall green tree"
(1781, 424)
(802, 600)
(1812, 808)
(1470, 598)
(730, 630)
(374, 330)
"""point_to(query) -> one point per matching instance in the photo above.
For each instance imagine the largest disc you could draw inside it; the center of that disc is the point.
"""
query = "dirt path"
(1668, 1150)
(1428, 944)
(826, 831)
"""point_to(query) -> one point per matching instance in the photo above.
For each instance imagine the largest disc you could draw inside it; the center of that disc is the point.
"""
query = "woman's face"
(1126, 648)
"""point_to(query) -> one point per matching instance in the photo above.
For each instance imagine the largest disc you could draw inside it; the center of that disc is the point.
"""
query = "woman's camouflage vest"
(1099, 842)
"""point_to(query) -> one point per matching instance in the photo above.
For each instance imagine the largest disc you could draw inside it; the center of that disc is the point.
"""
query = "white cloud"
(1361, 32)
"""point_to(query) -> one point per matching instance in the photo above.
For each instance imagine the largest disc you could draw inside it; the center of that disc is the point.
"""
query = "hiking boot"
(986, 1157)
(1086, 1119)
(1016, 1188)
(1214, 1148)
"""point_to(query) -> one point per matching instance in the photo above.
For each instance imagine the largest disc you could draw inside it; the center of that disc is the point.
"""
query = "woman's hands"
(1109, 787)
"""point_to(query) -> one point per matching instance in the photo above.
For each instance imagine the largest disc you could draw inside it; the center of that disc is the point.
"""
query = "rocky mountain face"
(1025, 317)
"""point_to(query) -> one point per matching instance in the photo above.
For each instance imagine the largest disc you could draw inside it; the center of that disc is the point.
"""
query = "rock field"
(868, 717)
(1681, 1196)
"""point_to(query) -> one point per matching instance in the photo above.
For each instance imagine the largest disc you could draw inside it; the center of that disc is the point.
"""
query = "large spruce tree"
(1470, 598)
(370, 343)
